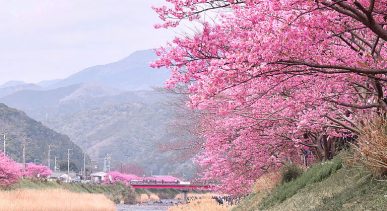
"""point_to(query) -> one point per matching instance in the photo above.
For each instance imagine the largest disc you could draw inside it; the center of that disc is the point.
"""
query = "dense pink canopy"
(33, 170)
(274, 76)
(9, 171)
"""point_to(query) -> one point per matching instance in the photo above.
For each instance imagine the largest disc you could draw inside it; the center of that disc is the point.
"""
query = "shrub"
(9, 171)
(371, 146)
(35, 171)
(290, 172)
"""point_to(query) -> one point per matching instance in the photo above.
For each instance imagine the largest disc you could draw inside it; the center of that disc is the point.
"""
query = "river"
(125, 207)
(163, 206)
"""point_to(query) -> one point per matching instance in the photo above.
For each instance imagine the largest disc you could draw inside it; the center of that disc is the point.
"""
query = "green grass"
(328, 186)
(290, 172)
(316, 173)
(364, 194)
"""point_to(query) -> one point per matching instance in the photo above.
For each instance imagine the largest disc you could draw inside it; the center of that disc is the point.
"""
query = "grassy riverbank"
(117, 193)
(53, 199)
(332, 185)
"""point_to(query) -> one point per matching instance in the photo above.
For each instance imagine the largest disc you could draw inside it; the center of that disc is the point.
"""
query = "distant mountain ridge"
(10, 88)
(12, 83)
(130, 73)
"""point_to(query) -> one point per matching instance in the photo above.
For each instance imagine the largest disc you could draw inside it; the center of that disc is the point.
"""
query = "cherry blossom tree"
(275, 76)
(9, 171)
(185, 127)
(35, 171)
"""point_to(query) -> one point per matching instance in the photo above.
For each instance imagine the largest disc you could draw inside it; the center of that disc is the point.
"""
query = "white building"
(98, 177)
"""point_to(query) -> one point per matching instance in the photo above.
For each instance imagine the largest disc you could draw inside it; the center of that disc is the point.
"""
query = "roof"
(165, 178)
(58, 174)
(98, 174)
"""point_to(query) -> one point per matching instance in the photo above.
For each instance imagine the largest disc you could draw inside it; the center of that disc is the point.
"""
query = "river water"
(125, 207)
(162, 206)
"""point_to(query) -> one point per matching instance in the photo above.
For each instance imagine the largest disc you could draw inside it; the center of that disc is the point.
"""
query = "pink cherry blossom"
(33, 170)
(9, 171)
(274, 76)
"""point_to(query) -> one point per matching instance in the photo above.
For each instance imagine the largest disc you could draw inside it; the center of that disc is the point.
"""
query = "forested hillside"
(21, 129)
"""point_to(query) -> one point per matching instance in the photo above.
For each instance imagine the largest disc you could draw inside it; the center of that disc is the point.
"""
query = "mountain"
(131, 132)
(38, 100)
(20, 128)
(12, 83)
(130, 126)
(13, 87)
(42, 104)
(111, 109)
(48, 83)
(130, 73)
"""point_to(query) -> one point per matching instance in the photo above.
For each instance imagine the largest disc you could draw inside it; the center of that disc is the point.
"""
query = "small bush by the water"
(290, 172)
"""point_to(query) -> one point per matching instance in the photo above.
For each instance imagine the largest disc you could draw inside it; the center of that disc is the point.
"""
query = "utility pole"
(109, 162)
(55, 168)
(68, 161)
(24, 155)
(84, 165)
(24, 143)
(4, 142)
(49, 156)
(105, 164)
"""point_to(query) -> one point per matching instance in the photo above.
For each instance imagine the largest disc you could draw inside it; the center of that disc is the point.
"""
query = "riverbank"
(118, 193)
(53, 199)
(332, 185)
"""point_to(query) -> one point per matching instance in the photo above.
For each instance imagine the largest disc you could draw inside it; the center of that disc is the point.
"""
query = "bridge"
(185, 187)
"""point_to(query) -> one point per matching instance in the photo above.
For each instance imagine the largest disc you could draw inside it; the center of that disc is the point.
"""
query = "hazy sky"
(49, 39)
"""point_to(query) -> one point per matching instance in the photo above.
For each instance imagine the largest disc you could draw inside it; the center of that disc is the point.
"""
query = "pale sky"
(50, 39)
